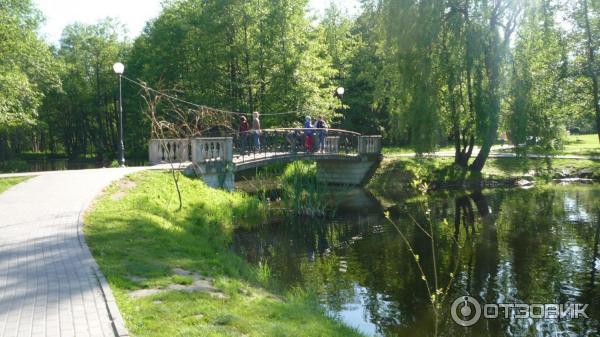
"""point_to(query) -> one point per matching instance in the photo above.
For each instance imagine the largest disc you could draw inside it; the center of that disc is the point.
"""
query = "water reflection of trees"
(532, 253)
(512, 246)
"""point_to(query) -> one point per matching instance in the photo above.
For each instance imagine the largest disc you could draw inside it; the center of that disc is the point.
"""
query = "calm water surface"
(502, 246)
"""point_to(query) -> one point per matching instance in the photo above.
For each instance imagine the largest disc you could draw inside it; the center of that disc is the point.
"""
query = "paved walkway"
(49, 283)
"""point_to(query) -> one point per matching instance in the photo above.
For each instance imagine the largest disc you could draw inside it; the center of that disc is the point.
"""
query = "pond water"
(501, 246)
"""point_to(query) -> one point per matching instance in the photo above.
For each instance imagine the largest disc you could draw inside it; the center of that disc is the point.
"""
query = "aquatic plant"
(302, 192)
(437, 293)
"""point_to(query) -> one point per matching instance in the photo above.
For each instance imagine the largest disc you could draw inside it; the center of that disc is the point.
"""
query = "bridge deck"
(251, 161)
(265, 158)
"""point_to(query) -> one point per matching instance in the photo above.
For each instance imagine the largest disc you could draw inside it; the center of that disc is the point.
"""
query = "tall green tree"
(411, 48)
(358, 42)
(83, 114)
(26, 73)
(344, 41)
(239, 55)
(497, 21)
(585, 15)
(539, 73)
(444, 70)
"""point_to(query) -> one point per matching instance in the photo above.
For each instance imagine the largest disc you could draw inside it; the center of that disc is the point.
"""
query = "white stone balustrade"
(214, 149)
(331, 144)
(168, 150)
(369, 145)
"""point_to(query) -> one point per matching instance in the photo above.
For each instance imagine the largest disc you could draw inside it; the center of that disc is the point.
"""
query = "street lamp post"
(339, 93)
(119, 68)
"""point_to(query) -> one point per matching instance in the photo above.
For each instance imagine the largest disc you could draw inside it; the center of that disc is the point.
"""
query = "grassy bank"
(584, 145)
(397, 150)
(140, 241)
(6, 183)
(581, 145)
(396, 174)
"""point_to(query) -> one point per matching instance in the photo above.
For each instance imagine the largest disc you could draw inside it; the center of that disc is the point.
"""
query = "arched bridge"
(343, 157)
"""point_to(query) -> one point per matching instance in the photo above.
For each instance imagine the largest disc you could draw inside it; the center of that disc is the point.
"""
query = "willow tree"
(475, 44)
(497, 21)
(539, 74)
(459, 49)
(586, 16)
(444, 70)
(410, 84)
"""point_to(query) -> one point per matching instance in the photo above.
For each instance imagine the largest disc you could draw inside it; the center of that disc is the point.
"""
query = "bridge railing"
(268, 143)
(213, 149)
(285, 141)
(169, 150)
(369, 144)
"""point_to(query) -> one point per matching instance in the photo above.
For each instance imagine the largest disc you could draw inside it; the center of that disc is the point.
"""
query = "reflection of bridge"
(342, 157)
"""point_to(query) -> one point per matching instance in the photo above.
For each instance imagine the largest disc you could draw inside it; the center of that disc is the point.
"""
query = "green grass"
(516, 167)
(138, 237)
(585, 145)
(6, 183)
(395, 150)
(582, 145)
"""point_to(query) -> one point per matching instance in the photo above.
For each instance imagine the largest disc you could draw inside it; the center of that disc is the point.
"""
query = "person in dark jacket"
(321, 133)
(243, 133)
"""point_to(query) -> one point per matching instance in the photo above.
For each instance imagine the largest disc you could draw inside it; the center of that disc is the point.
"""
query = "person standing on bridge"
(322, 133)
(308, 135)
(256, 130)
(243, 131)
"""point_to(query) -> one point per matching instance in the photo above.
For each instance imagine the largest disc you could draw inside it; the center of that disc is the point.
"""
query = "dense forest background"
(421, 73)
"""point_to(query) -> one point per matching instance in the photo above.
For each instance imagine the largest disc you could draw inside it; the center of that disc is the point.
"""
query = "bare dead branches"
(169, 120)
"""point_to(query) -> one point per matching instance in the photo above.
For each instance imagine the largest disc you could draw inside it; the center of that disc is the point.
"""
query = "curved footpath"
(49, 283)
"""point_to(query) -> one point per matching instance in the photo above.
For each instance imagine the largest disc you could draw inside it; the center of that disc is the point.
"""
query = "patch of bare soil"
(124, 186)
(199, 284)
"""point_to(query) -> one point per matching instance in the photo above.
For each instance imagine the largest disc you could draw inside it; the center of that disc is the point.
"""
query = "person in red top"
(243, 132)
(308, 134)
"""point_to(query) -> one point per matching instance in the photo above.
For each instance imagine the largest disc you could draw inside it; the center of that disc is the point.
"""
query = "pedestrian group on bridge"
(292, 137)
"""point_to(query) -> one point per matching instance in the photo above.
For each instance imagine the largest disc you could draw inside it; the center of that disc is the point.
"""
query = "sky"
(133, 13)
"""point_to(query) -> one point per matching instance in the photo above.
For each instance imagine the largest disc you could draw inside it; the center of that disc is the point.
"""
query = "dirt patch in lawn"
(124, 186)
(199, 284)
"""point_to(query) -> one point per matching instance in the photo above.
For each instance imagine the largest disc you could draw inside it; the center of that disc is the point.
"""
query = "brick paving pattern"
(49, 282)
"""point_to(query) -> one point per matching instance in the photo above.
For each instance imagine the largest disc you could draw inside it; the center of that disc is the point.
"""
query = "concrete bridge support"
(347, 172)
(356, 170)
(212, 161)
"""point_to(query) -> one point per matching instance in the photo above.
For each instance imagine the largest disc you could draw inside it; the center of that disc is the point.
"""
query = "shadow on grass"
(141, 237)
(514, 165)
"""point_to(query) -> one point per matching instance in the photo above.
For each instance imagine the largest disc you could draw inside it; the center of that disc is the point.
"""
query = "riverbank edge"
(398, 173)
(295, 313)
